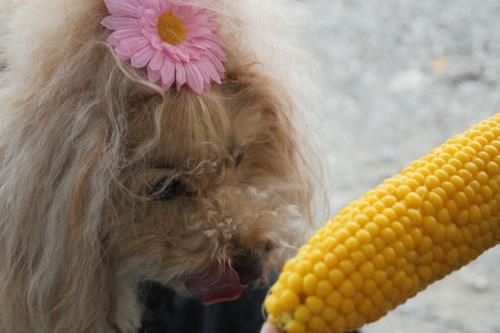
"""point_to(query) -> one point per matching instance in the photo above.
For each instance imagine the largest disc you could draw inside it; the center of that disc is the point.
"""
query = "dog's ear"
(56, 175)
(64, 118)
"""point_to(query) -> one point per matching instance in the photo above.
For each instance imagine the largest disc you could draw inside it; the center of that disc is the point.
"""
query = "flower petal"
(133, 3)
(210, 70)
(154, 39)
(131, 45)
(153, 4)
(150, 19)
(168, 73)
(119, 22)
(216, 62)
(218, 52)
(117, 36)
(164, 6)
(194, 78)
(187, 53)
(197, 32)
(175, 52)
(154, 76)
(180, 73)
(184, 11)
(122, 55)
(141, 58)
(204, 74)
(157, 61)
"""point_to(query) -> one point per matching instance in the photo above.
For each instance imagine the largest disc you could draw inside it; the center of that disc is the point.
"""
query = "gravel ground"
(398, 78)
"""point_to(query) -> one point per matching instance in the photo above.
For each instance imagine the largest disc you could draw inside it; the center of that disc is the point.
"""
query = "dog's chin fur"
(84, 138)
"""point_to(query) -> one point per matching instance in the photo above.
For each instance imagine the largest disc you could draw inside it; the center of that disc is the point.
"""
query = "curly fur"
(84, 138)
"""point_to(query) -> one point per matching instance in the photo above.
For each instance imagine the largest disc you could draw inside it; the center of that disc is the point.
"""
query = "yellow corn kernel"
(310, 283)
(288, 300)
(295, 327)
(294, 282)
(324, 288)
(315, 304)
(316, 324)
(440, 213)
(302, 313)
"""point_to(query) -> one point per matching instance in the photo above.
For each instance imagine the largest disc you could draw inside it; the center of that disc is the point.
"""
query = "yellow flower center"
(171, 29)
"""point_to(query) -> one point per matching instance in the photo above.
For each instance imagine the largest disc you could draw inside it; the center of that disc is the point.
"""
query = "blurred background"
(399, 77)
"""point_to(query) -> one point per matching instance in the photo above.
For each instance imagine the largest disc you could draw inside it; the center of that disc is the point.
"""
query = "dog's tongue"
(217, 284)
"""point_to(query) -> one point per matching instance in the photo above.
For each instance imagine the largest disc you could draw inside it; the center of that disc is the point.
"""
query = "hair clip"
(176, 41)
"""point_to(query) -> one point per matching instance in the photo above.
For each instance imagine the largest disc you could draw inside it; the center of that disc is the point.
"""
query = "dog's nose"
(249, 267)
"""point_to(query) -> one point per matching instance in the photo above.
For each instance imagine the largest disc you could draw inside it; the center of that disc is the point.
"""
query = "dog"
(108, 180)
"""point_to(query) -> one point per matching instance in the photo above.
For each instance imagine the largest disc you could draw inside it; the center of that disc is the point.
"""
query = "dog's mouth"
(219, 283)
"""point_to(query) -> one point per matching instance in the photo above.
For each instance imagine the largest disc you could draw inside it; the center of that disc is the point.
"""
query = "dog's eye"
(167, 189)
(269, 246)
(238, 158)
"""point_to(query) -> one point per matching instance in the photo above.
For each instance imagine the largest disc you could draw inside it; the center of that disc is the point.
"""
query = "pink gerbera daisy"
(177, 42)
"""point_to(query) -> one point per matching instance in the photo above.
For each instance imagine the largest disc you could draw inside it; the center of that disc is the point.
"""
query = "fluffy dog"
(107, 180)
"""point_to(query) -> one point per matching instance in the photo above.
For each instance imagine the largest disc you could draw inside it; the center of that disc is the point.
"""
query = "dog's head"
(223, 182)
(221, 185)
(104, 174)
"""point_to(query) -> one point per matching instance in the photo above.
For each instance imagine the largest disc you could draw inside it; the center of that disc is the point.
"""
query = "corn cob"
(438, 214)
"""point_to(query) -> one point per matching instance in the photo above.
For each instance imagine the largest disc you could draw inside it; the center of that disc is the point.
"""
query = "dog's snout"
(249, 267)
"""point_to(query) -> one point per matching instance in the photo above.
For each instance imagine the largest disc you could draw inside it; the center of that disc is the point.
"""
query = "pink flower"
(177, 42)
